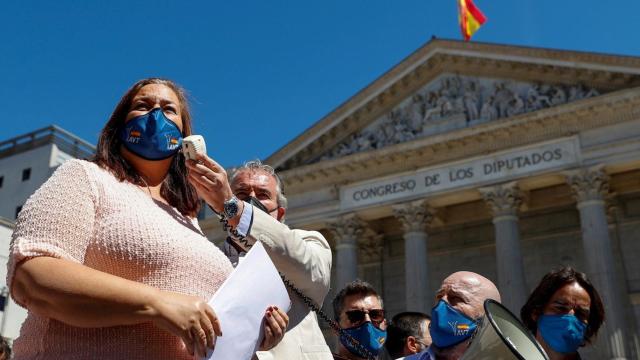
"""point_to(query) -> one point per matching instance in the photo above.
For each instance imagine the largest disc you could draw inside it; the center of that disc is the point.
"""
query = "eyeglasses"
(358, 316)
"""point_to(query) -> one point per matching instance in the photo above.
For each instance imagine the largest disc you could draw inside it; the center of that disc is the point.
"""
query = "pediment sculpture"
(454, 102)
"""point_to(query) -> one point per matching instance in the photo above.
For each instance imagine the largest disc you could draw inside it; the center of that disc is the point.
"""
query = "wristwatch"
(231, 208)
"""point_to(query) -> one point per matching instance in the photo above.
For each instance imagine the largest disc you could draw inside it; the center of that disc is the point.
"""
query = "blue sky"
(259, 72)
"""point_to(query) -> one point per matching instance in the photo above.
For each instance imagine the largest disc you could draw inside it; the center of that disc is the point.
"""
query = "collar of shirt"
(426, 354)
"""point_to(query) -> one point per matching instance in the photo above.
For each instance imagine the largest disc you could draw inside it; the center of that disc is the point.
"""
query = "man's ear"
(411, 344)
(281, 212)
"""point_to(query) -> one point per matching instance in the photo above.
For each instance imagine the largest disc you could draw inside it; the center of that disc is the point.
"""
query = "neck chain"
(145, 184)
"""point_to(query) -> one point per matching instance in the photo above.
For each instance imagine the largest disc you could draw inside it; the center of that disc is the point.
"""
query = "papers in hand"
(241, 303)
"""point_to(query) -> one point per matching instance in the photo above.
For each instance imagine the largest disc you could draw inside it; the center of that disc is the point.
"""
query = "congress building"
(503, 160)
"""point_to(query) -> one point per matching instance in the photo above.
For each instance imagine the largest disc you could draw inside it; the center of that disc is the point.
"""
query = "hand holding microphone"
(207, 176)
(192, 146)
(212, 184)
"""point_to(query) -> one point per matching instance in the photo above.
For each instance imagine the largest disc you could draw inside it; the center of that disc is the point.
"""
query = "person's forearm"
(81, 296)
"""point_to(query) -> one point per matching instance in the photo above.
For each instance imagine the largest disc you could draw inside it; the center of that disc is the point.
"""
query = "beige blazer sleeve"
(304, 257)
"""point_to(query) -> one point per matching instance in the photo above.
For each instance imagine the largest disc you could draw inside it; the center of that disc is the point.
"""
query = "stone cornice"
(486, 138)
(546, 56)
(444, 56)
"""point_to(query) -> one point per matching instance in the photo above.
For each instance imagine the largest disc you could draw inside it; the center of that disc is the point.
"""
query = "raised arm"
(304, 257)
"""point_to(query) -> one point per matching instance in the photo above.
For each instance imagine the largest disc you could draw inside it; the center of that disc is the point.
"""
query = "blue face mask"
(369, 336)
(449, 326)
(151, 136)
(564, 333)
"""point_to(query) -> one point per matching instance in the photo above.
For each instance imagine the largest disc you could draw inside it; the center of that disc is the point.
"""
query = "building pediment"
(453, 102)
(450, 85)
(491, 142)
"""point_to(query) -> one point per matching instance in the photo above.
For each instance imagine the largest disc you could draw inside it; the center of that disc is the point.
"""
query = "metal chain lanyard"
(308, 301)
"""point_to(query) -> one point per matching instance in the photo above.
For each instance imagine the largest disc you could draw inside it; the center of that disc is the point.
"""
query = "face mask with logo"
(449, 326)
(369, 336)
(564, 333)
(151, 136)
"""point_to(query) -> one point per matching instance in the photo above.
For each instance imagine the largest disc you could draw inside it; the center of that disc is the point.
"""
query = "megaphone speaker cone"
(501, 336)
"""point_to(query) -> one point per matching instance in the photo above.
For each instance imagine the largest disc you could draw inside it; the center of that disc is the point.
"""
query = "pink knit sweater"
(84, 214)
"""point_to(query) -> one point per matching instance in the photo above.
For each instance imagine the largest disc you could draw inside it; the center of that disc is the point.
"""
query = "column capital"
(588, 184)
(415, 216)
(503, 199)
(347, 229)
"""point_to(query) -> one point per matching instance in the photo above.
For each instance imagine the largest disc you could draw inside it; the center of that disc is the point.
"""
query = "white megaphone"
(501, 336)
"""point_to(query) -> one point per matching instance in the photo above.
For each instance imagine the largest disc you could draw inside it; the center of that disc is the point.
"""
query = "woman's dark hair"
(5, 349)
(175, 188)
(551, 283)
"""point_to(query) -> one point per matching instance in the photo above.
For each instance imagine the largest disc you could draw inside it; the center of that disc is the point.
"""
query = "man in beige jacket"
(255, 207)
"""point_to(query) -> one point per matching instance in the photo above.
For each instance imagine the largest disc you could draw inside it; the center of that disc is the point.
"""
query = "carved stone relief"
(414, 216)
(452, 102)
(589, 184)
(503, 199)
(347, 229)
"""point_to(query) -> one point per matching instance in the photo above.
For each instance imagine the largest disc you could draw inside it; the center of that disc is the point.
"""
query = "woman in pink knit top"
(108, 257)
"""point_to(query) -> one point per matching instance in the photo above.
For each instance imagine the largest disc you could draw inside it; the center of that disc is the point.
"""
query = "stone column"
(370, 247)
(590, 187)
(346, 230)
(415, 217)
(504, 201)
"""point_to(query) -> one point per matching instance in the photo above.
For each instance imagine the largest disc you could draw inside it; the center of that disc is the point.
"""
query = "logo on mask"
(172, 142)
(367, 335)
(134, 136)
(449, 326)
(459, 329)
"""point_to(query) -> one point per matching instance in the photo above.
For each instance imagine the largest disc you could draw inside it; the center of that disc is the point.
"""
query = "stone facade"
(547, 174)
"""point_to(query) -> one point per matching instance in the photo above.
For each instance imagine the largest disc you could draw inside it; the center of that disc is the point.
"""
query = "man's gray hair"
(257, 165)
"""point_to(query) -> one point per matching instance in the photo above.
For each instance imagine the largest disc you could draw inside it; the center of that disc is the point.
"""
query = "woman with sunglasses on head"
(107, 255)
(564, 312)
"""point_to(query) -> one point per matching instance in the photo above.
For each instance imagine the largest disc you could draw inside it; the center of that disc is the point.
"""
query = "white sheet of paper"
(241, 303)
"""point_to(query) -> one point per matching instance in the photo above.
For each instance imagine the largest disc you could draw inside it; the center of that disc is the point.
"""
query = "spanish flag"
(470, 17)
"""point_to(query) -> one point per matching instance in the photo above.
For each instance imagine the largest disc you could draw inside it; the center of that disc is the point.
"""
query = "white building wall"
(13, 315)
(14, 191)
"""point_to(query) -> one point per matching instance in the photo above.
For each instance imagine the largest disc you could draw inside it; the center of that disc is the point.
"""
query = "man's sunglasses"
(357, 316)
